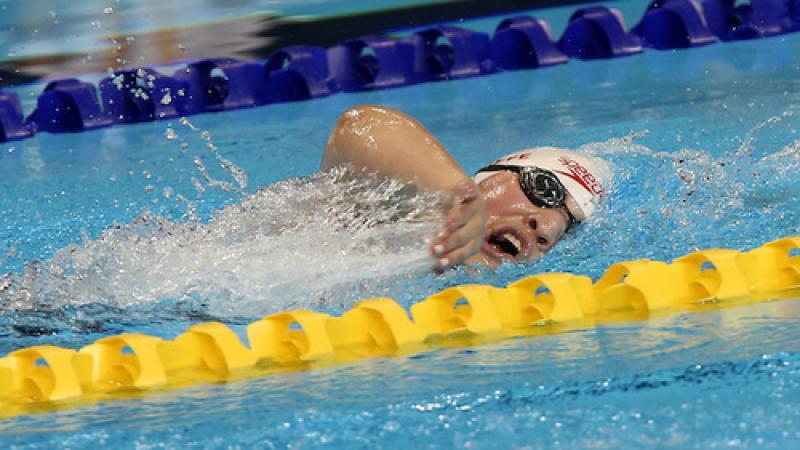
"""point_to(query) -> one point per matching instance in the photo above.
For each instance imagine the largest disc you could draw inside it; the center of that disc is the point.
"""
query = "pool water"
(106, 231)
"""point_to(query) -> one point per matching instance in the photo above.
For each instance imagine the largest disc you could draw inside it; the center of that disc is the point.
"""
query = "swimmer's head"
(533, 196)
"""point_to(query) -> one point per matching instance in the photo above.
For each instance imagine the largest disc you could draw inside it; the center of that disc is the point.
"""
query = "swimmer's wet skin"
(533, 196)
(515, 209)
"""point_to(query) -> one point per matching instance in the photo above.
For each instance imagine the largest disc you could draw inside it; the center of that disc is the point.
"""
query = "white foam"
(293, 244)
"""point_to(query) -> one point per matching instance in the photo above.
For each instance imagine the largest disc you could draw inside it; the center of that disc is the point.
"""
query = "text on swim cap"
(581, 175)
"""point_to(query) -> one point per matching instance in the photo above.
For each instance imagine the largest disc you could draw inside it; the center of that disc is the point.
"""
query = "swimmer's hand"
(464, 227)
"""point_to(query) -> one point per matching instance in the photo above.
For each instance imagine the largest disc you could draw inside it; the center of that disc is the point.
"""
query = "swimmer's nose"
(545, 228)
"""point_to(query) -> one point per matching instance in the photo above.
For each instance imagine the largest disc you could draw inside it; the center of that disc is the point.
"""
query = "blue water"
(706, 153)
(728, 379)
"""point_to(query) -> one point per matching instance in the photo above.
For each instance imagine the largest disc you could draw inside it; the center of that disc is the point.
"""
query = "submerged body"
(505, 213)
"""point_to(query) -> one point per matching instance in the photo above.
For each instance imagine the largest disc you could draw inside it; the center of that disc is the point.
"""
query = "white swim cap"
(585, 177)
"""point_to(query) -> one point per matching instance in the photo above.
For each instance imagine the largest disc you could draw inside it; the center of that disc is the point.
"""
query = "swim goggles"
(541, 186)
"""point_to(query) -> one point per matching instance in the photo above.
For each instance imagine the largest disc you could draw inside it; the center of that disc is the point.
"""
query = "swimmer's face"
(517, 230)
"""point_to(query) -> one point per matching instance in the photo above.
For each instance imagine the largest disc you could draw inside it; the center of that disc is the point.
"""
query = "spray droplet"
(166, 99)
(170, 134)
(197, 185)
(108, 11)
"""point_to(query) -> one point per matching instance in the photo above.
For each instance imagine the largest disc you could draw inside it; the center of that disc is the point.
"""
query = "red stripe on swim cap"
(594, 188)
(581, 175)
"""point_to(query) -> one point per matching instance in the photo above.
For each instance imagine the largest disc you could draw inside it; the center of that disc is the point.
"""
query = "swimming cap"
(585, 177)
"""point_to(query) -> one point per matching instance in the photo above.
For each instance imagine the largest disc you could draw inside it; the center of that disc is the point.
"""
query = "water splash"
(747, 146)
(324, 241)
(290, 244)
(664, 204)
(238, 175)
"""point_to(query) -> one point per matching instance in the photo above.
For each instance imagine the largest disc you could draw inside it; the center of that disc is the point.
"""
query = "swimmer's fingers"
(468, 204)
(462, 235)
(455, 247)
(463, 227)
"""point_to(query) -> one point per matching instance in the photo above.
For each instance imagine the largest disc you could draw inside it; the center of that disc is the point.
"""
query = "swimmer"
(514, 209)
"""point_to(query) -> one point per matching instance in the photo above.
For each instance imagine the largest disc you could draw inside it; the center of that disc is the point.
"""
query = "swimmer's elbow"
(353, 139)
(362, 118)
(338, 149)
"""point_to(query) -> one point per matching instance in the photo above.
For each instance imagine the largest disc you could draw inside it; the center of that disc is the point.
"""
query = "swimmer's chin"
(482, 259)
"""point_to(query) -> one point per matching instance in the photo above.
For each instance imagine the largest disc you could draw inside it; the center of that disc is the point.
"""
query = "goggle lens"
(541, 186)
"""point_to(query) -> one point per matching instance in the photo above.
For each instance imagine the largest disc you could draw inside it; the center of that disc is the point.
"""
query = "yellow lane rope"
(46, 378)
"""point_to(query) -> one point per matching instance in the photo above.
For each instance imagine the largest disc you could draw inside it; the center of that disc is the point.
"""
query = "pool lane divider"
(304, 72)
(46, 378)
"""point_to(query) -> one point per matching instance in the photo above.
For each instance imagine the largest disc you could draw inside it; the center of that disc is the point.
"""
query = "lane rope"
(443, 52)
(46, 378)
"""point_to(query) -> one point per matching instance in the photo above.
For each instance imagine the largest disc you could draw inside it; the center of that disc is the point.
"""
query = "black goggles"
(541, 186)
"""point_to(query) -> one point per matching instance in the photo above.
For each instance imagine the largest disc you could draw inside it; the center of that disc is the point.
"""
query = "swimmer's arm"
(391, 143)
(394, 144)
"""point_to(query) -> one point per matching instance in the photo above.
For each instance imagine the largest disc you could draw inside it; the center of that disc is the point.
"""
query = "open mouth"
(505, 243)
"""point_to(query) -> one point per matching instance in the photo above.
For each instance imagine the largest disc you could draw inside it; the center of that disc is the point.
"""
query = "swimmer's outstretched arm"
(392, 143)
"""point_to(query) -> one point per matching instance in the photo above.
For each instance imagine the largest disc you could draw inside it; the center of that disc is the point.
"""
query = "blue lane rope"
(378, 62)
